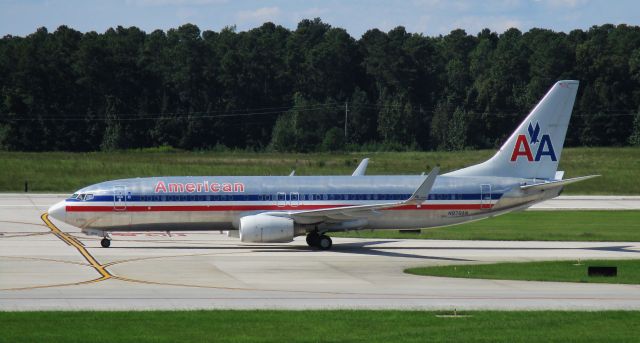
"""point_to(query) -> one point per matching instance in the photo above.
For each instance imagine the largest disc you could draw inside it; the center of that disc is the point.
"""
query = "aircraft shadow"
(369, 248)
(363, 248)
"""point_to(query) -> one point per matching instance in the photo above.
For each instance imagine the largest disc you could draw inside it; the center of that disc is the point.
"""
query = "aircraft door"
(485, 197)
(120, 198)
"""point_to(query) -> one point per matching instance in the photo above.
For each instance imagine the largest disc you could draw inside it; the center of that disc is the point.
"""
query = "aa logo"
(543, 146)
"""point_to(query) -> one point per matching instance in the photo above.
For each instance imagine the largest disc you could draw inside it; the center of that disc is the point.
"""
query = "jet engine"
(263, 228)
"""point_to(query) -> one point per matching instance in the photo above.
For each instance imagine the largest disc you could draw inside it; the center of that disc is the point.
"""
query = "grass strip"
(565, 271)
(315, 326)
(66, 172)
(612, 226)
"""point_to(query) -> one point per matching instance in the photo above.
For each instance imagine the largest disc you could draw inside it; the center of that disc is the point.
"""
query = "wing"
(348, 213)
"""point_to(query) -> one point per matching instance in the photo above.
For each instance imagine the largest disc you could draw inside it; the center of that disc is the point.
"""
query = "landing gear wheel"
(105, 242)
(324, 242)
(312, 239)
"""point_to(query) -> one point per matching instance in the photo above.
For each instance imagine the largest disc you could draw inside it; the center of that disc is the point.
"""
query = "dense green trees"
(288, 90)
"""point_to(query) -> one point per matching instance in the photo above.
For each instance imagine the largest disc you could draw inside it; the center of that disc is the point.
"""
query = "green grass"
(318, 326)
(567, 271)
(66, 172)
(532, 226)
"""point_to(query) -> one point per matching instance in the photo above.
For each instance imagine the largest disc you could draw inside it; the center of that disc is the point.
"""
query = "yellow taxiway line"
(72, 241)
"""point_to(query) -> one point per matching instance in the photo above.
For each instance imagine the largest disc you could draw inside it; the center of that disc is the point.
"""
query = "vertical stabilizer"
(533, 150)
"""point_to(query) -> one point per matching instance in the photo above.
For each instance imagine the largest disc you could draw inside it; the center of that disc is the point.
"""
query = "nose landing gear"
(105, 242)
(316, 240)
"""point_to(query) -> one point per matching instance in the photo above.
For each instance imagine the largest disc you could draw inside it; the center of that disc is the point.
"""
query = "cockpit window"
(74, 196)
(88, 197)
(81, 197)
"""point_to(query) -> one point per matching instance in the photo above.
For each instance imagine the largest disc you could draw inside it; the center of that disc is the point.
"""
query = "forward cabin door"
(120, 198)
(485, 197)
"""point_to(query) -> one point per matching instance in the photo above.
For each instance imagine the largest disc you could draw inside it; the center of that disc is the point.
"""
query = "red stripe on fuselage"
(201, 208)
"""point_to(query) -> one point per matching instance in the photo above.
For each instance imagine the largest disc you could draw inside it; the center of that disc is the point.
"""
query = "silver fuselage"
(217, 203)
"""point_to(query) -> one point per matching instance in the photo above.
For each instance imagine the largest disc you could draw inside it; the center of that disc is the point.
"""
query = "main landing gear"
(316, 240)
(105, 242)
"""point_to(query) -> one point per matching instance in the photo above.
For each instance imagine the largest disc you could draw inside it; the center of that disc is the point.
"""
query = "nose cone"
(58, 211)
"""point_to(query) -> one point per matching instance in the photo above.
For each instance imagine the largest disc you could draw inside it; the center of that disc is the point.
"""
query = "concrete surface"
(590, 202)
(41, 269)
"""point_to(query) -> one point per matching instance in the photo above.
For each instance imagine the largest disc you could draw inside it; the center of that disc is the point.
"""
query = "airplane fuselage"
(217, 203)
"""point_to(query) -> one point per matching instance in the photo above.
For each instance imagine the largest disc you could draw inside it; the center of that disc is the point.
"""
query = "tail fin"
(533, 150)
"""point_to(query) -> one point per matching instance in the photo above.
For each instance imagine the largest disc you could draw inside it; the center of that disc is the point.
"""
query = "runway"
(590, 202)
(42, 268)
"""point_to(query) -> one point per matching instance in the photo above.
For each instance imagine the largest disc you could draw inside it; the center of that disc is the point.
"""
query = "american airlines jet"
(270, 209)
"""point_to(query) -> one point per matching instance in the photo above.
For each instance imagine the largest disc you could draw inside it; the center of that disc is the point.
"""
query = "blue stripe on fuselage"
(275, 197)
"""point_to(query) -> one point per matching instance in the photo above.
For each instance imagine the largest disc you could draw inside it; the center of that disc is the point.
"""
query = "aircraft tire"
(312, 239)
(105, 243)
(324, 242)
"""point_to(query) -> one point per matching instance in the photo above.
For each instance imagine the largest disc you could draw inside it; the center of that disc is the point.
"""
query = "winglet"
(422, 193)
(362, 168)
(293, 173)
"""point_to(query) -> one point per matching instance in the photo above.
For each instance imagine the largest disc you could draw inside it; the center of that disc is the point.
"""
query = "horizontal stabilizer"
(553, 184)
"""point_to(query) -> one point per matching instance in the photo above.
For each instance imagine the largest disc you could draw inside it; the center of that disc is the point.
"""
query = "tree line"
(292, 90)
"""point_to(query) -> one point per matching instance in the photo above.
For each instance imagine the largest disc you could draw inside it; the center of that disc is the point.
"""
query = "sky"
(429, 17)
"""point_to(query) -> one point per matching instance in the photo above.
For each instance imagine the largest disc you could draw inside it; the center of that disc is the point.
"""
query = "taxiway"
(46, 266)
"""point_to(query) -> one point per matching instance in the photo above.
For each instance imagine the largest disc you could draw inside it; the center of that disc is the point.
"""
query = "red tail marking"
(518, 150)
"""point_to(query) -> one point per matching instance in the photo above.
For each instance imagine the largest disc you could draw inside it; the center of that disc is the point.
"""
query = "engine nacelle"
(263, 228)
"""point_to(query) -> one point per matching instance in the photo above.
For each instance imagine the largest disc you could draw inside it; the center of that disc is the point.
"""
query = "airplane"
(275, 209)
